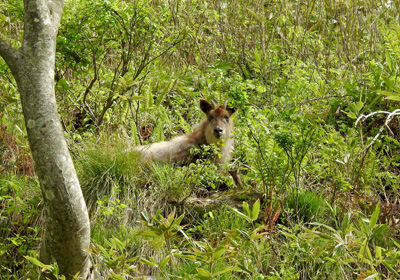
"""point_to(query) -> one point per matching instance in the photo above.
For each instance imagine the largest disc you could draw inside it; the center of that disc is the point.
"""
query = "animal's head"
(219, 122)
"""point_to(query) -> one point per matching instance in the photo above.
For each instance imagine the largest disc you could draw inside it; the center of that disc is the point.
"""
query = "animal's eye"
(226, 118)
(210, 118)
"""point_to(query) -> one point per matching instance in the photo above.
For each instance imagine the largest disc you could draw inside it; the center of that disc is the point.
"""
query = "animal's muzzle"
(218, 132)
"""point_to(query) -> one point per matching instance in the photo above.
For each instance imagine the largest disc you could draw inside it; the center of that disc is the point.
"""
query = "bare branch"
(388, 119)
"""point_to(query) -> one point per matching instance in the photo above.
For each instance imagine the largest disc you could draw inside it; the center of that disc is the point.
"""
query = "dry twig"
(388, 119)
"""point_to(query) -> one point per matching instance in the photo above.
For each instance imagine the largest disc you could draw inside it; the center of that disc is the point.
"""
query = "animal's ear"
(231, 111)
(205, 106)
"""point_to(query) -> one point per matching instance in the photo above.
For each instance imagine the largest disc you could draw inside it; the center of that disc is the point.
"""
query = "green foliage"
(47, 271)
(300, 74)
(115, 255)
(354, 245)
(111, 64)
(305, 206)
(110, 210)
(163, 230)
(20, 209)
(215, 223)
(210, 256)
(177, 183)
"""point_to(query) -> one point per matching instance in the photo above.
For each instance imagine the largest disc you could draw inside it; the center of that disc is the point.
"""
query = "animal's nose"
(218, 131)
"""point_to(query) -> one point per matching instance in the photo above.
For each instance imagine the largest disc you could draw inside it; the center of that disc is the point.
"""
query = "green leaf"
(370, 104)
(166, 90)
(365, 251)
(138, 97)
(261, 19)
(359, 105)
(393, 97)
(374, 217)
(256, 235)
(178, 220)
(389, 61)
(257, 57)
(384, 92)
(391, 85)
(131, 260)
(63, 83)
(350, 115)
(378, 252)
(116, 276)
(165, 261)
(151, 263)
(225, 270)
(56, 270)
(123, 97)
(391, 269)
(171, 217)
(323, 225)
(242, 267)
(36, 262)
(144, 216)
(256, 210)
(396, 243)
(353, 107)
(379, 230)
(204, 274)
(373, 276)
(223, 65)
(290, 236)
(240, 214)
(147, 233)
(219, 252)
(246, 209)
(346, 223)
(324, 236)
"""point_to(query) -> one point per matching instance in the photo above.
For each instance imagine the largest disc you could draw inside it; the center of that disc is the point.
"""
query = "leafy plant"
(116, 257)
(161, 230)
(209, 256)
(20, 227)
(354, 243)
(48, 271)
(250, 215)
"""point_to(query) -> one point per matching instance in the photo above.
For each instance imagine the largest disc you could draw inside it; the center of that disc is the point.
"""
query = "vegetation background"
(317, 139)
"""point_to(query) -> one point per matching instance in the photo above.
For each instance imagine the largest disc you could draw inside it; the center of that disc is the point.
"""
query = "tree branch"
(388, 119)
(10, 55)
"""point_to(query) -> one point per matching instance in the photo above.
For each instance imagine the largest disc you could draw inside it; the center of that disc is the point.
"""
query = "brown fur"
(216, 127)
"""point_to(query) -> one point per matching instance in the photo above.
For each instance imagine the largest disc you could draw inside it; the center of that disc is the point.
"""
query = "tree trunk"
(67, 230)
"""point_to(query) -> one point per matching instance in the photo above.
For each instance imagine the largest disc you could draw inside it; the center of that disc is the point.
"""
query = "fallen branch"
(388, 119)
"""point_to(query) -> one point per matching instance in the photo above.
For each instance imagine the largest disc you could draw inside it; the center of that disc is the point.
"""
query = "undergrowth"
(311, 192)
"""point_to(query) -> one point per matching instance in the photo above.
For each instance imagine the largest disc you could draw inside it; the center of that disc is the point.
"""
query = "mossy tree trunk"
(67, 230)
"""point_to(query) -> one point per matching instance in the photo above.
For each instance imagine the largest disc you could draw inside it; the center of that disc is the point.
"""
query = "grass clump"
(103, 166)
(305, 206)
